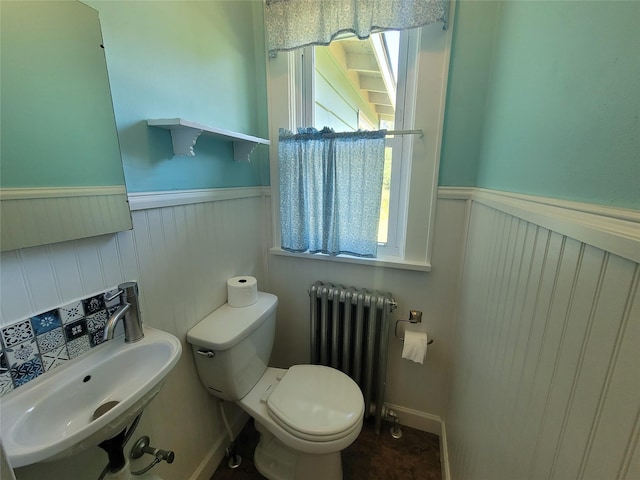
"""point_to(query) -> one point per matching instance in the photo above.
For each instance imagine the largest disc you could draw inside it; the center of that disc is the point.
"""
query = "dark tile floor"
(415, 456)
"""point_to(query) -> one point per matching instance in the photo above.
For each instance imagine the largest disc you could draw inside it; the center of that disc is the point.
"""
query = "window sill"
(375, 262)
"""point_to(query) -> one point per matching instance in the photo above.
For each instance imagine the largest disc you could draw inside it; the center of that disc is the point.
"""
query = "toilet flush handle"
(206, 353)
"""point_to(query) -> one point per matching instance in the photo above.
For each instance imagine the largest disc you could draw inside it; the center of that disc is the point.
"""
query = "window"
(395, 81)
(362, 84)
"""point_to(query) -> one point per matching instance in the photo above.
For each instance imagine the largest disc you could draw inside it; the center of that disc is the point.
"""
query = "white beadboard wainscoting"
(181, 256)
(417, 392)
(543, 359)
(545, 377)
(38, 216)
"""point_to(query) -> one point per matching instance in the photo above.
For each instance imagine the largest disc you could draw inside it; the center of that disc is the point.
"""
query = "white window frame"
(402, 145)
(420, 164)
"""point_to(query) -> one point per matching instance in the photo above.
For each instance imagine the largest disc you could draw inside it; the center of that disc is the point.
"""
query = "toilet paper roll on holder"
(415, 316)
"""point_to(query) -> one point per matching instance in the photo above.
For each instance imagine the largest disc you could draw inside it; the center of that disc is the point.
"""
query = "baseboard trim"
(216, 454)
(426, 422)
(411, 418)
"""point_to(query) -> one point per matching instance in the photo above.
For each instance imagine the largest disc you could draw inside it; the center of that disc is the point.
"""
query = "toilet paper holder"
(415, 316)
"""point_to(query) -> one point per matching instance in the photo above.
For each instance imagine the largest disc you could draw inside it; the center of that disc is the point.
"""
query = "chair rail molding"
(616, 230)
(147, 200)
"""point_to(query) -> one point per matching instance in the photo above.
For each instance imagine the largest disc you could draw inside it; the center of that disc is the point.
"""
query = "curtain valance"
(292, 24)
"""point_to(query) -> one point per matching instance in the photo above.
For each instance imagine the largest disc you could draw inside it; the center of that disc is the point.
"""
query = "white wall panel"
(544, 358)
(415, 387)
(181, 257)
(545, 380)
(619, 421)
(631, 465)
(42, 216)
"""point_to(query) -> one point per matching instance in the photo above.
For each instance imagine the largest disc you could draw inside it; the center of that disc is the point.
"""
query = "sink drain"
(104, 408)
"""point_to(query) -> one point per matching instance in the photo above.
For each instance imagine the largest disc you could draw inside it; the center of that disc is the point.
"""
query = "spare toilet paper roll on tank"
(242, 291)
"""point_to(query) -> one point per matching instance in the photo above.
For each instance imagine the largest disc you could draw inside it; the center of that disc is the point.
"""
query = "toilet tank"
(232, 346)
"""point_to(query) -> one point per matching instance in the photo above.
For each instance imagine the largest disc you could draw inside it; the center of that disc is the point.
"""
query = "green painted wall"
(202, 61)
(542, 99)
(469, 76)
(57, 122)
(562, 117)
(562, 103)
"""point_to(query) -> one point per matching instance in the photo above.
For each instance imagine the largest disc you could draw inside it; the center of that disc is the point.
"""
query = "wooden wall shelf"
(185, 133)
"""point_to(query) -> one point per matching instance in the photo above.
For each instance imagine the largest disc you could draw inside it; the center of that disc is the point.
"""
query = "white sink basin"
(52, 416)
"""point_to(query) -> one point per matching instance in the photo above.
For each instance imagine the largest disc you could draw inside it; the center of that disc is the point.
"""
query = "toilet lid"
(316, 401)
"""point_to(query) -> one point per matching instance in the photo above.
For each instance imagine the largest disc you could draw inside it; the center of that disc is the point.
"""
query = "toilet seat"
(316, 403)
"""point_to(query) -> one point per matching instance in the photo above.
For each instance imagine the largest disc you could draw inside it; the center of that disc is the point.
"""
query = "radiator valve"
(392, 416)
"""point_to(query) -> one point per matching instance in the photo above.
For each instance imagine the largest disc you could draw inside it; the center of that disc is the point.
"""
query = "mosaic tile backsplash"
(32, 347)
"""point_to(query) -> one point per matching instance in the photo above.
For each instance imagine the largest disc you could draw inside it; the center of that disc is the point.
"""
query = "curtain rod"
(405, 132)
(331, 134)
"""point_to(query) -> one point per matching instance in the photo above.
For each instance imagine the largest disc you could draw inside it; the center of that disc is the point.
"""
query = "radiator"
(350, 332)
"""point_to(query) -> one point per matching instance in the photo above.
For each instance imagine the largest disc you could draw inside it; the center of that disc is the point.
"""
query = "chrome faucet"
(129, 311)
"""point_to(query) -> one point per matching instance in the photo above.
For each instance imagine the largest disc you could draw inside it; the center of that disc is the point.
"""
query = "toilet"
(306, 415)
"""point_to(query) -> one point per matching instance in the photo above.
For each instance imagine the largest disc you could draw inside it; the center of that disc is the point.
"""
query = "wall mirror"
(61, 175)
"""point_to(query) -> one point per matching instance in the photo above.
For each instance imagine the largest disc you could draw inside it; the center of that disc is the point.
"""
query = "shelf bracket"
(184, 139)
(242, 151)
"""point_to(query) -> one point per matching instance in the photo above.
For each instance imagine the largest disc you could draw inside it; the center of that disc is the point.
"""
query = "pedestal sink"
(54, 416)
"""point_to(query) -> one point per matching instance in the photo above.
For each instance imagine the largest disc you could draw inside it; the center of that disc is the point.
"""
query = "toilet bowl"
(306, 415)
(296, 447)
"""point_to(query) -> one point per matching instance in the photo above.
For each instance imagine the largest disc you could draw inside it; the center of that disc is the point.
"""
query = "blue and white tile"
(97, 321)
(17, 333)
(93, 304)
(78, 346)
(55, 358)
(75, 329)
(71, 312)
(4, 363)
(22, 353)
(51, 340)
(97, 337)
(25, 372)
(6, 383)
(45, 322)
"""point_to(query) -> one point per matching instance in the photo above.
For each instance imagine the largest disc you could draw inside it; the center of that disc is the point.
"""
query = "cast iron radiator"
(350, 332)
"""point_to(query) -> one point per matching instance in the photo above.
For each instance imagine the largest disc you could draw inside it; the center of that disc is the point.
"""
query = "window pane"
(383, 226)
(354, 87)
(355, 82)
(392, 44)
